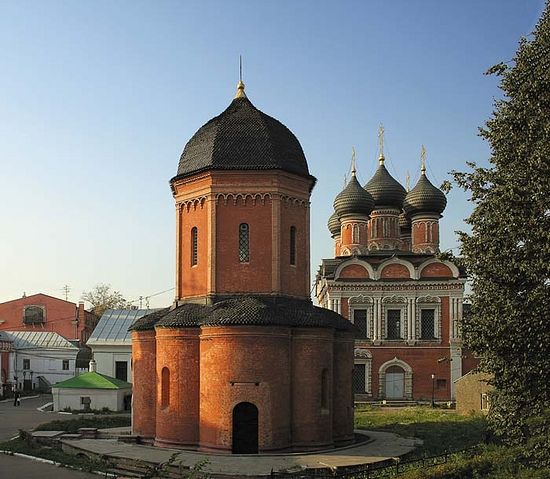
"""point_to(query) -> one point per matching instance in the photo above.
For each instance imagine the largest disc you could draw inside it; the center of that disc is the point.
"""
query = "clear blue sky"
(98, 98)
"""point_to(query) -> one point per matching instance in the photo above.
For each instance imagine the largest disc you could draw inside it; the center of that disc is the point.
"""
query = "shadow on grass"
(440, 431)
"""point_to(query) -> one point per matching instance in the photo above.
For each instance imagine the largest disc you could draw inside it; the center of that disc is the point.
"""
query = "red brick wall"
(144, 391)
(193, 280)
(397, 271)
(342, 421)
(436, 270)
(233, 276)
(423, 362)
(294, 279)
(59, 317)
(354, 271)
(245, 364)
(177, 424)
(312, 351)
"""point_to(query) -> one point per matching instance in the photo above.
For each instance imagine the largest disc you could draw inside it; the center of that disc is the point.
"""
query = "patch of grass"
(72, 425)
(440, 429)
(24, 446)
(491, 462)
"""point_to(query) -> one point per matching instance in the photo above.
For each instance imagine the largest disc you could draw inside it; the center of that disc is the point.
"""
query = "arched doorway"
(245, 429)
(395, 383)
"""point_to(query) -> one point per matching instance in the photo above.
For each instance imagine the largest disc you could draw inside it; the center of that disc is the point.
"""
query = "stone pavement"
(380, 447)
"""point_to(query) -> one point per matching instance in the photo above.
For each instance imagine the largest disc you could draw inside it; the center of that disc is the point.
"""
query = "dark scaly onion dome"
(334, 224)
(404, 222)
(385, 189)
(424, 198)
(242, 138)
(353, 200)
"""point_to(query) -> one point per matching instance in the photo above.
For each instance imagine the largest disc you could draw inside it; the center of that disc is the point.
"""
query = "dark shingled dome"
(385, 189)
(334, 224)
(424, 198)
(246, 311)
(404, 222)
(243, 138)
(353, 199)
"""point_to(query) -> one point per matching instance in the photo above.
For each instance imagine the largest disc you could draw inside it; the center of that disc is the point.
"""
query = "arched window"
(244, 240)
(165, 388)
(194, 246)
(324, 389)
(355, 234)
(293, 245)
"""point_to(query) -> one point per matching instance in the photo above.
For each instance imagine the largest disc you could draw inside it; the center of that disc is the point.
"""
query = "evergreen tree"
(507, 253)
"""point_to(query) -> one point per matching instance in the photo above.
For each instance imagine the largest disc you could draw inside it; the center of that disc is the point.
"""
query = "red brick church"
(243, 362)
(387, 279)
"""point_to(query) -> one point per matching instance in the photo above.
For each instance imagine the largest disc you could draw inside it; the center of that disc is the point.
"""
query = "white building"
(93, 391)
(40, 358)
(111, 342)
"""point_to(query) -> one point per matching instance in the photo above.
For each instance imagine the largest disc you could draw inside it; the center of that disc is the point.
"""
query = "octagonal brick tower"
(243, 362)
(242, 205)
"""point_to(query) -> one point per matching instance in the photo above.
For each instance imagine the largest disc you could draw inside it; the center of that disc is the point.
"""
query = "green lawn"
(440, 429)
(72, 425)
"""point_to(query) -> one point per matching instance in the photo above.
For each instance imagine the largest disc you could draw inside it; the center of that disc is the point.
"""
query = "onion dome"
(424, 197)
(353, 200)
(243, 138)
(334, 224)
(385, 189)
(404, 222)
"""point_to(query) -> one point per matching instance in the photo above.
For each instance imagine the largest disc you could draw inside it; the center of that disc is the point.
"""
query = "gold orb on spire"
(240, 90)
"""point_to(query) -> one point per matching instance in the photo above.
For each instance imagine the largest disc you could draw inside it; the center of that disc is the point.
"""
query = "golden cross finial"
(240, 86)
(408, 181)
(423, 160)
(353, 170)
(381, 143)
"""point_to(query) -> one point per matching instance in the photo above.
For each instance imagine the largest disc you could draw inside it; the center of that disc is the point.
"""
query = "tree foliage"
(102, 298)
(507, 253)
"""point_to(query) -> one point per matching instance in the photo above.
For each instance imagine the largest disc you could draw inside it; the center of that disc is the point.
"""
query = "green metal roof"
(93, 380)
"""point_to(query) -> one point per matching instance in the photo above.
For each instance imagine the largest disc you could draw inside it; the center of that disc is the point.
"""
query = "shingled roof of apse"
(251, 311)
(243, 138)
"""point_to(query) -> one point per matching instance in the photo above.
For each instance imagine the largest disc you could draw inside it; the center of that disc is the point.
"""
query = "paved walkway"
(382, 446)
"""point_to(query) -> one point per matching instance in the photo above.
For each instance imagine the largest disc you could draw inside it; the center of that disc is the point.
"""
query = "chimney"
(93, 366)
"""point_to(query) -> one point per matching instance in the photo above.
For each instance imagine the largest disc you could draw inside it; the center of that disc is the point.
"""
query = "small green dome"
(424, 198)
(385, 189)
(334, 224)
(353, 200)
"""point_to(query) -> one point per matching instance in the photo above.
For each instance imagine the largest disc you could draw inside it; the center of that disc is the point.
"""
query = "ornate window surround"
(394, 302)
(364, 356)
(428, 302)
(363, 302)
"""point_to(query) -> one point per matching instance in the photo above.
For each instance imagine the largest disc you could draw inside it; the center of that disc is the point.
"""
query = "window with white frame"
(355, 234)
(428, 318)
(393, 322)
(362, 368)
(427, 323)
(394, 318)
(360, 321)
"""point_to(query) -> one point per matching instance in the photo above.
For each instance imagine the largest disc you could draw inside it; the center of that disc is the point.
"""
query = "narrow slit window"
(324, 389)
(194, 246)
(355, 234)
(293, 245)
(165, 388)
(244, 240)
